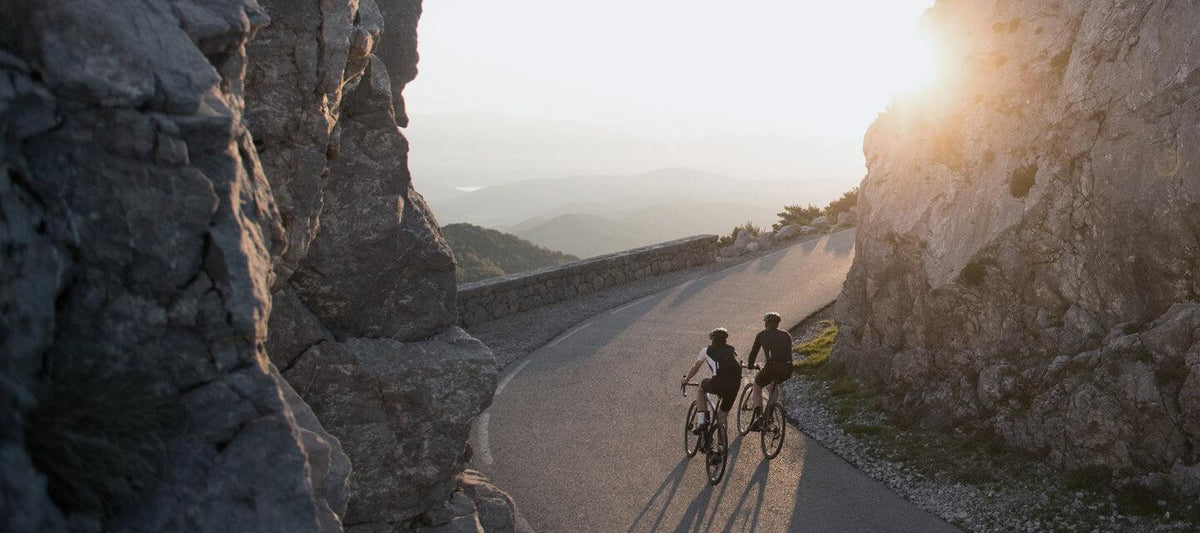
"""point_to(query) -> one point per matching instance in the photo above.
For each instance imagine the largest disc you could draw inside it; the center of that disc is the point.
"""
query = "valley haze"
(593, 215)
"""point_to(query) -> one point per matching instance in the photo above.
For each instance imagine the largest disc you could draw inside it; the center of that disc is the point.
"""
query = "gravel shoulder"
(970, 482)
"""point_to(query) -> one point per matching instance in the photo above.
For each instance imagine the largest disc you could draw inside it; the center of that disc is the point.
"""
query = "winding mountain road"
(586, 432)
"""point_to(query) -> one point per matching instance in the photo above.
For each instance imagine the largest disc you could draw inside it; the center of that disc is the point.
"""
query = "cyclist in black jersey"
(727, 376)
(777, 350)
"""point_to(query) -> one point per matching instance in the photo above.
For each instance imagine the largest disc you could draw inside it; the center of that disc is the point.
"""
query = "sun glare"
(916, 65)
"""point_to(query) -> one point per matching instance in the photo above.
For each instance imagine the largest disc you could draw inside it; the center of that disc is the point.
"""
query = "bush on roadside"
(848, 200)
(796, 214)
(727, 240)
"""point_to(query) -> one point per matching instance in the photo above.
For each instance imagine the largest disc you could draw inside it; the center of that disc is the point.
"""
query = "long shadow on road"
(702, 510)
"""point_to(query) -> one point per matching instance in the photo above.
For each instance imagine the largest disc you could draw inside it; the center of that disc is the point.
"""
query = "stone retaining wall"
(498, 297)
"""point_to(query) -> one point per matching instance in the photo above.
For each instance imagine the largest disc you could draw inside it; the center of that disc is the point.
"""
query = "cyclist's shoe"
(716, 456)
(756, 420)
(699, 428)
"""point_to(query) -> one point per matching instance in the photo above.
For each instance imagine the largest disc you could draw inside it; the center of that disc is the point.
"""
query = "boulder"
(743, 239)
(821, 223)
(753, 246)
(789, 231)
(846, 219)
(808, 230)
(1025, 245)
(407, 437)
(766, 240)
(496, 509)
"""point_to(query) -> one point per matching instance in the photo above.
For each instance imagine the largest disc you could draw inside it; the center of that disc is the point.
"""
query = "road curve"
(585, 433)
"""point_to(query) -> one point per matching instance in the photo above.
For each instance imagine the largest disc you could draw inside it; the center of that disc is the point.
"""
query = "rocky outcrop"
(403, 410)
(144, 258)
(1027, 246)
(137, 232)
(365, 293)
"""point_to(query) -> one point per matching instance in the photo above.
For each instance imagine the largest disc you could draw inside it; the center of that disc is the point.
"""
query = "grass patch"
(864, 430)
(813, 354)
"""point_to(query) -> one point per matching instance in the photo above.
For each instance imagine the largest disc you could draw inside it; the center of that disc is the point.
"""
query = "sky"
(805, 77)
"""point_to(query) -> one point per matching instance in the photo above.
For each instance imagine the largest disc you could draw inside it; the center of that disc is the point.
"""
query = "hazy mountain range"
(592, 215)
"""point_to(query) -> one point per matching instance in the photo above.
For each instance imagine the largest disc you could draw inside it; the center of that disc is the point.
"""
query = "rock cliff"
(1027, 247)
(137, 232)
(211, 253)
(364, 295)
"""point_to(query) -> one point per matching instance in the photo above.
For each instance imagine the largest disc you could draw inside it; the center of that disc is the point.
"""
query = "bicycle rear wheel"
(745, 411)
(691, 441)
(774, 427)
(718, 454)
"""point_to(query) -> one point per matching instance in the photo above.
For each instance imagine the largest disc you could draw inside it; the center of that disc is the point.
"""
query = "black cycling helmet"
(772, 318)
(719, 335)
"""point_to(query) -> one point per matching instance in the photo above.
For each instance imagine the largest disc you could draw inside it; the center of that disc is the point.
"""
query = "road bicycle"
(714, 440)
(771, 419)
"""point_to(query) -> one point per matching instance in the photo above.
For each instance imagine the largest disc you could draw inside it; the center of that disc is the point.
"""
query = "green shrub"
(728, 240)
(99, 441)
(795, 214)
(848, 200)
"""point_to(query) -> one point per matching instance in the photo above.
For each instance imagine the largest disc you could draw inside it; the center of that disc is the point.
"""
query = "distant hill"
(589, 235)
(484, 253)
(583, 235)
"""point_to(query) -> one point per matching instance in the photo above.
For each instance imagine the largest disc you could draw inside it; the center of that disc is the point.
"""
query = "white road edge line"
(622, 308)
(504, 382)
(485, 450)
(569, 333)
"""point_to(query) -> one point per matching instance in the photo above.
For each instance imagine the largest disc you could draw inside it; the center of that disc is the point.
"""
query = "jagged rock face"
(406, 436)
(136, 239)
(1027, 247)
(303, 62)
(379, 266)
(364, 302)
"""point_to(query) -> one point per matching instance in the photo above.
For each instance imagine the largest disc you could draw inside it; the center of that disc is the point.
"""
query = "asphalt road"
(586, 433)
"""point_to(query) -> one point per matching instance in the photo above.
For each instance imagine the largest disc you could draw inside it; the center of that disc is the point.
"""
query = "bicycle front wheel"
(774, 427)
(691, 441)
(718, 454)
(745, 411)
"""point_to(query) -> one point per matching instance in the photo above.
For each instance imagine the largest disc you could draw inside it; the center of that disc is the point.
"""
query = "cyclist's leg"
(728, 397)
(764, 378)
(701, 398)
(784, 373)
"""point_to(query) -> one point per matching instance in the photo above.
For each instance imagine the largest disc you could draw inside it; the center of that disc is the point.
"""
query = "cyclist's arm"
(754, 351)
(692, 372)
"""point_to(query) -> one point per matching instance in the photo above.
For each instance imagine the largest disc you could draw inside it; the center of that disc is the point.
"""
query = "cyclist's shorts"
(726, 390)
(774, 373)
